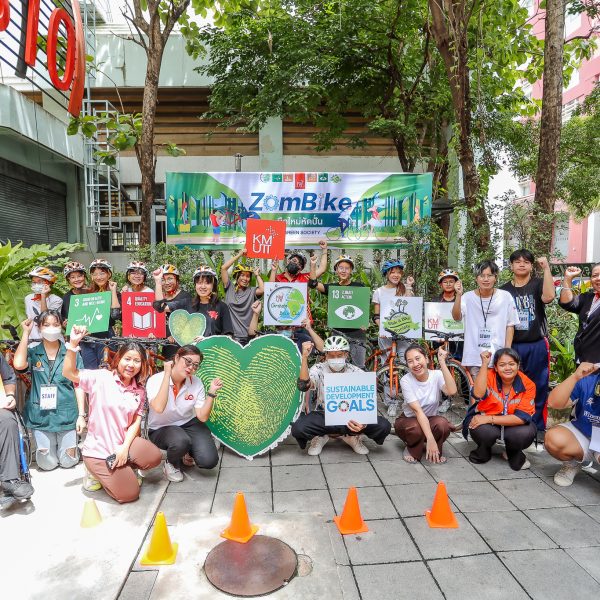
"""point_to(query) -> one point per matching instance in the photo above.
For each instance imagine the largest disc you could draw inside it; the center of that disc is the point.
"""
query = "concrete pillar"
(270, 145)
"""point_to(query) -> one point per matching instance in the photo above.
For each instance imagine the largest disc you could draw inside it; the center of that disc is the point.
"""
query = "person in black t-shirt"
(531, 294)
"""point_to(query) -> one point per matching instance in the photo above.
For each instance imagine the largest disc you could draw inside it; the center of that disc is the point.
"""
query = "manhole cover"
(261, 566)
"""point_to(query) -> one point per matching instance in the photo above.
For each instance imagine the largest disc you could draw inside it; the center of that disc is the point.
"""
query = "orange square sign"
(265, 239)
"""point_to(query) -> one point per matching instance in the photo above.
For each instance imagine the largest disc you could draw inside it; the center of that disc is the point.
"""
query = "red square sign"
(265, 239)
(139, 318)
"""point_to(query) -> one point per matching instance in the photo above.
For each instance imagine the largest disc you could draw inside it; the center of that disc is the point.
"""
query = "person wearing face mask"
(75, 273)
(136, 276)
(55, 410)
(310, 427)
(42, 280)
(179, 409)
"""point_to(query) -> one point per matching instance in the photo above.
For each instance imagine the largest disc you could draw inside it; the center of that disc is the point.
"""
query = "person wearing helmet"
(392, 271)
(41, 299)
(531, 294)
(206, 301)
(446, 280)
(239, 295)
(310, 427)
(101, 281)
(75, 274)
(136, 275)
(343, 267)
(168, 297)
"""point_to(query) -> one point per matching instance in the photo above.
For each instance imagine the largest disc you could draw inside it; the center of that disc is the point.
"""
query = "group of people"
(505, 349)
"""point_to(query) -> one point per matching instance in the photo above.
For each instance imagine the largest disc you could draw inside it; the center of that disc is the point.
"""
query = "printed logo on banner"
(139, 318)
(265, 239)
(323, 177)
(438, 317)
(350, 397)
(285, 303)
(299, 181)
(311, 177)
(276, 177)
(288, 177)
(265, 177)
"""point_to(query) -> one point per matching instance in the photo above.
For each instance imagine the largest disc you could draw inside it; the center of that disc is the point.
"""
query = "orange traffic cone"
(351, 520)
(441, 514)
(240, 529)
(160, 550)
(91, 515)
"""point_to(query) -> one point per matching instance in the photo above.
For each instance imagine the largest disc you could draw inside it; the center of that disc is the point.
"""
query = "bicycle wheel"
(383, 381)
(457, 405)
(333, 234)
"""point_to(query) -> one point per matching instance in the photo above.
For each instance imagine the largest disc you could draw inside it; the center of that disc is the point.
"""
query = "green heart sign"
(259, 398)
(185, 327)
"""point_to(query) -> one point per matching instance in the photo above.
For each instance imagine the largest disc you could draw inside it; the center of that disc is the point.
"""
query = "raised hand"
(410, 281)
(486, 357)
(77, 332)
(215, 385)
(256, 307)
(458, 287)
(112, 286)
(27, 326)
(157, 274)
(306, 349)
(585, 369)
(543, 263)
(442, 354)
(323, 244)
(572, 272)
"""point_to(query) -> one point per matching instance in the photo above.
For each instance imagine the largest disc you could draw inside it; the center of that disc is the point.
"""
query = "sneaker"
(18, 489)
(355, 442)
(90, 483)
(316, 445)
(172, 473)
(139, 475)
(392, 410)
(564, 477)
(217, 443)
(526, 465)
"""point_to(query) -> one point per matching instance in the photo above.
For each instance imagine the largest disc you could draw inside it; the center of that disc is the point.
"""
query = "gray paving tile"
(256, 503)
(298, 477)
(400, 472)
(588, 559)
(471, 577)
(509, 531)
(396, 582)
(530, 493)
(449, 451)
(460, 444)
(336, 451)
(477, 496)
(446, 543)
(498, 468)
(196, 481)
(349, 589)
(231, 459)
(311, 501)
(391, 449)
(593, 511)
(292, 455)
(374, 502)
(456, 469)
(337, 544)
(181, 509)
(568, 527)
(386, 541)
(585, 490)
(345, 475)
(243, 479)
(413, 499)
(551, 574)
(139, 585)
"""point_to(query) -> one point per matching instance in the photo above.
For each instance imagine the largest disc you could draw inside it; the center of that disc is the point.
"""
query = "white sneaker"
(526, 465)
(217, 442)
(316, 445)
(172, 473)
(444, 406)
(564, 477)
(90, 483)
(355, 442)
(392, 410)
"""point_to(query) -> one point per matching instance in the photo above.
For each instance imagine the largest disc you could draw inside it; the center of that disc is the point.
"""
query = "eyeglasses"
(191, 363)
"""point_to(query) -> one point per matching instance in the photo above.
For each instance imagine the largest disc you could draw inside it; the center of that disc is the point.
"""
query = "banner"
(265, 239)
(438, 316)
(350, 210)
(285, 304)
(350, 397)
(138, 317)
(348, 307)
(91, 311)
(403, 315)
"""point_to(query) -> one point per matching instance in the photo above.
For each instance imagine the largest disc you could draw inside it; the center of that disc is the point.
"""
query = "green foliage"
(15, 264)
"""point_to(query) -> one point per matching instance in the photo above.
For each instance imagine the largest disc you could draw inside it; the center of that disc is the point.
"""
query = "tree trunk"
(551, 119)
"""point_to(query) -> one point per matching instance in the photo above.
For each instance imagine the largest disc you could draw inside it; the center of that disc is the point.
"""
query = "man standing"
(531, 294)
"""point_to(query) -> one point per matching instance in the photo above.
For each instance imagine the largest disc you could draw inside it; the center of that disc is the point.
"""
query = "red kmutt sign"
(73, 77)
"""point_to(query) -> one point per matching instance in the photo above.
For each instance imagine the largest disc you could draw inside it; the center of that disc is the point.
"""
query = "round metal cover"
(258, 567)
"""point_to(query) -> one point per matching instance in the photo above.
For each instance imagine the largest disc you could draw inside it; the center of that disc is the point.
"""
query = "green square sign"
(91, 310)
(348, 307)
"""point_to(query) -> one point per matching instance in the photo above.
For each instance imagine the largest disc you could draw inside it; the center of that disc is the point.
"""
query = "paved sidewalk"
(520, 536)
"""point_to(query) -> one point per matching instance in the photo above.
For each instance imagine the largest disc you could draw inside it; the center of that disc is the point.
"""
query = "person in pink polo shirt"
(112, 447)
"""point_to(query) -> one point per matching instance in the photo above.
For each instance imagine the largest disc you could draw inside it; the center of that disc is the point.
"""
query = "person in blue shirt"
(570, 442)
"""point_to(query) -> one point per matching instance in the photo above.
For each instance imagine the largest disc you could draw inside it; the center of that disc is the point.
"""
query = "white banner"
(403, 315)
(350, 397)
(438, 316)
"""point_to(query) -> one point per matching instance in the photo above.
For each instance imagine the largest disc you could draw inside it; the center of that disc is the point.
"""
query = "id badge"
(523, 320)
(485, 338)
(48, 397)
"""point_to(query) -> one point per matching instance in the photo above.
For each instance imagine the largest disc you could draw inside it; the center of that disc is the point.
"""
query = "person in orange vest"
(503, 404)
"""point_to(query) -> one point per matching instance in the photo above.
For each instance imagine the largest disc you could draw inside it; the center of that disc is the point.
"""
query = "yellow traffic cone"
(160, 550)
(91, 515)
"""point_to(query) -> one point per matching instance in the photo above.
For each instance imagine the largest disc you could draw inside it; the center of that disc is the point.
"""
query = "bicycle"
(351, 233)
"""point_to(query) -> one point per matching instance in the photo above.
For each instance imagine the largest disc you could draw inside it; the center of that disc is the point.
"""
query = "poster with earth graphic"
(285, 303)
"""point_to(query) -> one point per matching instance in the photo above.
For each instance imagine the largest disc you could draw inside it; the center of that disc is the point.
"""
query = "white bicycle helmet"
(44, 273)
(336, 343)
(137, 264)
(169, 270)
(204, 270)
(447, 273)
(343, 258)
(73, 267)
(100, 263)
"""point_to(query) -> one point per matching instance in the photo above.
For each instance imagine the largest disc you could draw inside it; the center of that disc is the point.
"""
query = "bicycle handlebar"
(443, 335)
(123, 340)
(397, 337)
(351, 340)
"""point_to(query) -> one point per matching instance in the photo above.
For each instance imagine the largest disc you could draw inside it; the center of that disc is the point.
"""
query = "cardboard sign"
(403, 315)
(91, 311)
(348, 307)
(438, 316)
(139, 318)
(265, 239)
(285, 303)
(350, 397)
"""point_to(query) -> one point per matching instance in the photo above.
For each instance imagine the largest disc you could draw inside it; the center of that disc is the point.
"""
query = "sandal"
(408, 457)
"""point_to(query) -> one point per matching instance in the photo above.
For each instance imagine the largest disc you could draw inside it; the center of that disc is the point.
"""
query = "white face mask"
(51, 333)
(336, 364)
(38, 288)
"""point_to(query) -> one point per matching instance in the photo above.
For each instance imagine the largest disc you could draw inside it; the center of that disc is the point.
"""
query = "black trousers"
(10, 464)
(193, 437)
(312, 425)
(516, 438)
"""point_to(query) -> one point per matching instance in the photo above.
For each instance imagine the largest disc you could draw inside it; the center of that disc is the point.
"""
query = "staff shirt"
(180, 408)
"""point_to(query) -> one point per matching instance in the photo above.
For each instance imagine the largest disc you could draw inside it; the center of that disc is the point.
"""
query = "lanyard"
(486, 313)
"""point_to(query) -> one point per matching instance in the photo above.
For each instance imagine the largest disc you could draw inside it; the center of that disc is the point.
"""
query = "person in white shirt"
(489, 315)
(179, 409)
(41, 300)
(419, 426)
